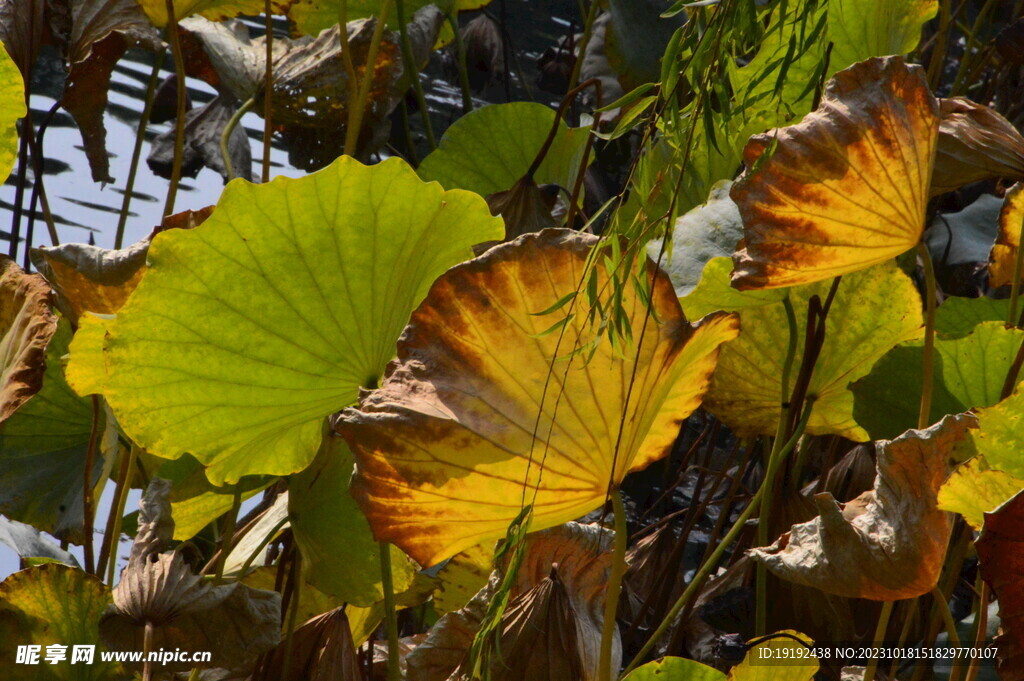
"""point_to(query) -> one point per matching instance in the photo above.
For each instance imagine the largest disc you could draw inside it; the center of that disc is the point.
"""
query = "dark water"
(82, 207)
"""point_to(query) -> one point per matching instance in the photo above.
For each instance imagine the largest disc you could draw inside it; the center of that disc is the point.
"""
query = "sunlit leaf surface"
(463, 431)
(313, 16)
(1003, 258)
(12, 107)
(873, 311)
(248, 330)
(860, 29)
(844, 189)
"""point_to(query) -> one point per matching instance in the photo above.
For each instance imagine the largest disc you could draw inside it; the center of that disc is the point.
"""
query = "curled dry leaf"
(89, 278)
(552, 626)
(204, 128)
(888, 543)
(320, 650)
(1003, 256)
(101, 32)
(233, 621)
(24, 28)
(846, 187)
(1001, 556)
(525, 207)
(461, 431)
(975, 143)
(27, 324)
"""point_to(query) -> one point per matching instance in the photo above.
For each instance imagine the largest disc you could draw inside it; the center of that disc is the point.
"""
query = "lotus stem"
(140, 136)
(611, 596)
(36, 149)
(225, 137)
(460, 58)
(179, 121)
(357, 109)
(947, 617)
(924, 415)
(228, 535)
(588, 30)
(295, 582)
(112, 535)
(712, 561)
(413, 71)
(19, 192)
(390, 614)
(980, 627)
(938, 56)
(147, 648)
(883, 623)
(268, 91)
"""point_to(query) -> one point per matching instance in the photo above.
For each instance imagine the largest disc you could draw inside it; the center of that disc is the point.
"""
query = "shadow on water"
(84, 210)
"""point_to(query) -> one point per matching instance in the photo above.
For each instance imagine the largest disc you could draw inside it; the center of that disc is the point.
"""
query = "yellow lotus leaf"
(483, 411)
(156, 10)
(12, 107)
(844, 189)
(873, 311)
(1003, 257)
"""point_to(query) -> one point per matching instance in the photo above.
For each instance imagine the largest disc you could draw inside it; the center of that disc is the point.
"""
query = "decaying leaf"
(27, 324)
(222, 351)
(101, 32)
(24, 28)
(873, 311)
(89, 278)
(888, 543)
(551, 629)
(975, 143)
(320, 650)
(1001, 555)
(234, 622)
(204, 128)
(846, 187)
(525, 207)
(49, 605)
(462, 431)
(1003, 257)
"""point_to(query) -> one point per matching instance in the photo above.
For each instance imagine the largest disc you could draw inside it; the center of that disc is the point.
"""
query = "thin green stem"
(883, 624)
(140, 136)
(924, 415)
(938, 56)
(611, 597)
(268, 91)
(108, 553)
(413, 71)
(358, 107)
(711, 563)
(179, 120)
(980, 627)
(225, 137)
(971, 40)
(588, 29)
(390, 614)
(460, 59)
(295, 581)
(947, 616)
(229, 534)
(88, 507)
(37, 171)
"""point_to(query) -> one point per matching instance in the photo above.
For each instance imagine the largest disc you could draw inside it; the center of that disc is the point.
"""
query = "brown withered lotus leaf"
(101, 32)
(844, 189)
(90, 278)
(24, 28)
(321, 650)
(889, 543)
(445, 448)
(1003, 257)
(975, 143)
(525, 207)
(233, 621)
(552, 627)
(1001, 555)
(27, 324)
(204, 128)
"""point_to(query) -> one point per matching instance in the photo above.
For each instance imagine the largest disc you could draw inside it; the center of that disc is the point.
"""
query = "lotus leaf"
(251, 328)
(975, 143)
(463, 432)
(12, 107)
(313, 16)
(873, 311)
(1000, 558)
(1003, 258)
(844, 189)
(860, 29)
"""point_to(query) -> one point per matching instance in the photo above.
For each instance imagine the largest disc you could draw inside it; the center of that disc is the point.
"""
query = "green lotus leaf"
(860, 29)
(873, 310)
(324, 517)
(48, 605)
(248, 330)
(490, 149)
(12, 107)
(957, 317)
(43, 449)
(969, 372)
(312, 16)
(715, 292)
(675, 669)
